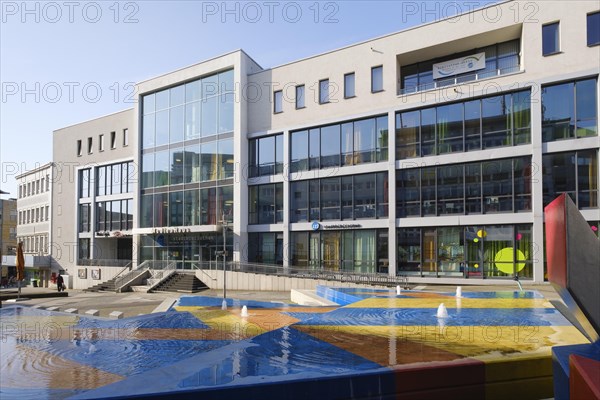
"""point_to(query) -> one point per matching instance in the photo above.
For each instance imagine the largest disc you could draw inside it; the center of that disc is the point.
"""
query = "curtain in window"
(364, 251)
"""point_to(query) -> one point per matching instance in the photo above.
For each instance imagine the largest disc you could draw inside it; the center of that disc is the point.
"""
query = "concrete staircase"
(181, 282)
(108, 286)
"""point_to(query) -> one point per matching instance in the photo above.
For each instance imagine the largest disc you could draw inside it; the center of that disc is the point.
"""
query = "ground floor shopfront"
(189, 250)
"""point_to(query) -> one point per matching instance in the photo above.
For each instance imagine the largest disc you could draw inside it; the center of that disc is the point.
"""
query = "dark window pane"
(586, 106)
(558, 112)
(408, 193)
(593, 29)
(349, 85)
(300, 96)
(330, 199)
(299, 201)
(550, 39)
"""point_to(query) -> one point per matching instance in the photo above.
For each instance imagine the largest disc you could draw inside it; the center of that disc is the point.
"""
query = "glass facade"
(349, 143)
(187, 162)
(188, 250)
(265, 248)
(570, 110)
(187, 208)
(574, 173)
(501, 58)
(346, 250)
(265, 204)
(266, 156)
(495, 251)
(341, 198)
(496, 121)
(498, 186)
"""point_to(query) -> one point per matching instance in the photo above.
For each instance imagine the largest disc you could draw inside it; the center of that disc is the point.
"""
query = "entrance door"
(331, 250)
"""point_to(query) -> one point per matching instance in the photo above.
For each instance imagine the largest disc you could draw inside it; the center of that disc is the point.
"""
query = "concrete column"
(537, 192)
(392, 246)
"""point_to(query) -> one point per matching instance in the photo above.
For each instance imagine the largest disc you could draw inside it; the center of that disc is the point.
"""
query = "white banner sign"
(459, 66)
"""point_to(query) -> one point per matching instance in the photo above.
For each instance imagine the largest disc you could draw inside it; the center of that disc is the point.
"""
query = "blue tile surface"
(427, 316)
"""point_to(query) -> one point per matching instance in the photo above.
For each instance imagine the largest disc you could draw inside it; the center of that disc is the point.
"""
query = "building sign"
(315, 226)
(157, 231)
(341, 226)
(459, 66)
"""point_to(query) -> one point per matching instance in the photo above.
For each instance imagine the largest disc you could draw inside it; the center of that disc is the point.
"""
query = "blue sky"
(66, 62)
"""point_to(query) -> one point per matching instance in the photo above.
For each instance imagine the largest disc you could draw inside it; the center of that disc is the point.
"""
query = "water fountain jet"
(442, 312)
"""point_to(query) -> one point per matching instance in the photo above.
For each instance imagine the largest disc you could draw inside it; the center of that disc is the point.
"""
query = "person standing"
(60, 283)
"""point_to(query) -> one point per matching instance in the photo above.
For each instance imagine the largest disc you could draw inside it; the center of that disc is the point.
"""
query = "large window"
(265, 204)
(574, 173)
(84, 217)
(593, 29)
(197, 109)
(340, 198)
(265, 248)
(482, 187)
(85, 183)
(466, 251)
(550, 39)
(116, 215)
(501, 58)
(569, 110)
(349, 143)
(205, 206)
(266, 156)
(363, 251)
(497, 121)
(115, 179)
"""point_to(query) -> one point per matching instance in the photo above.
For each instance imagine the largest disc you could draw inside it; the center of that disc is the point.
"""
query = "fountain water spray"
(458, 291)
(398, 290)
(244, 312)
(442, 312)
(224, 305)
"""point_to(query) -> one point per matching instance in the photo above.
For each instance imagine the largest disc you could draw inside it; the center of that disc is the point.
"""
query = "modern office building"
(92, 199)
(430, 152)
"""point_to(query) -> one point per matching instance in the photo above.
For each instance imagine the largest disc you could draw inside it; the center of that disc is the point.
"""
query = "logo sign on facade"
(459, 66)
(315, 226)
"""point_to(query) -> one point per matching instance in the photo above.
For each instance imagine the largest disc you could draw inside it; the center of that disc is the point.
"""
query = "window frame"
(353, 75)
(558, 47)
(277, 101)
(303, 97)
(597, 15)
(321, 91)
(101, 142)
(373, 70)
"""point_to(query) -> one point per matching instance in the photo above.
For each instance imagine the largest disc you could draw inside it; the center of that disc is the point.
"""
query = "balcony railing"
(92, 262)
(459, 79)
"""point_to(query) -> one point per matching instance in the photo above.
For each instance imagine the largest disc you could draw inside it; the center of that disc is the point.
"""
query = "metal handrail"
(159, 274)
(194, 266)
(368, 278)
(123, 279)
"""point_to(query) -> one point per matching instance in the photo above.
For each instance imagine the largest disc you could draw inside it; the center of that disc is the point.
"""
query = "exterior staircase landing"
(181, 282)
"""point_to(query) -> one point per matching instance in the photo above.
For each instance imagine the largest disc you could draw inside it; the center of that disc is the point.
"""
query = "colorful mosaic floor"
(491, 345)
